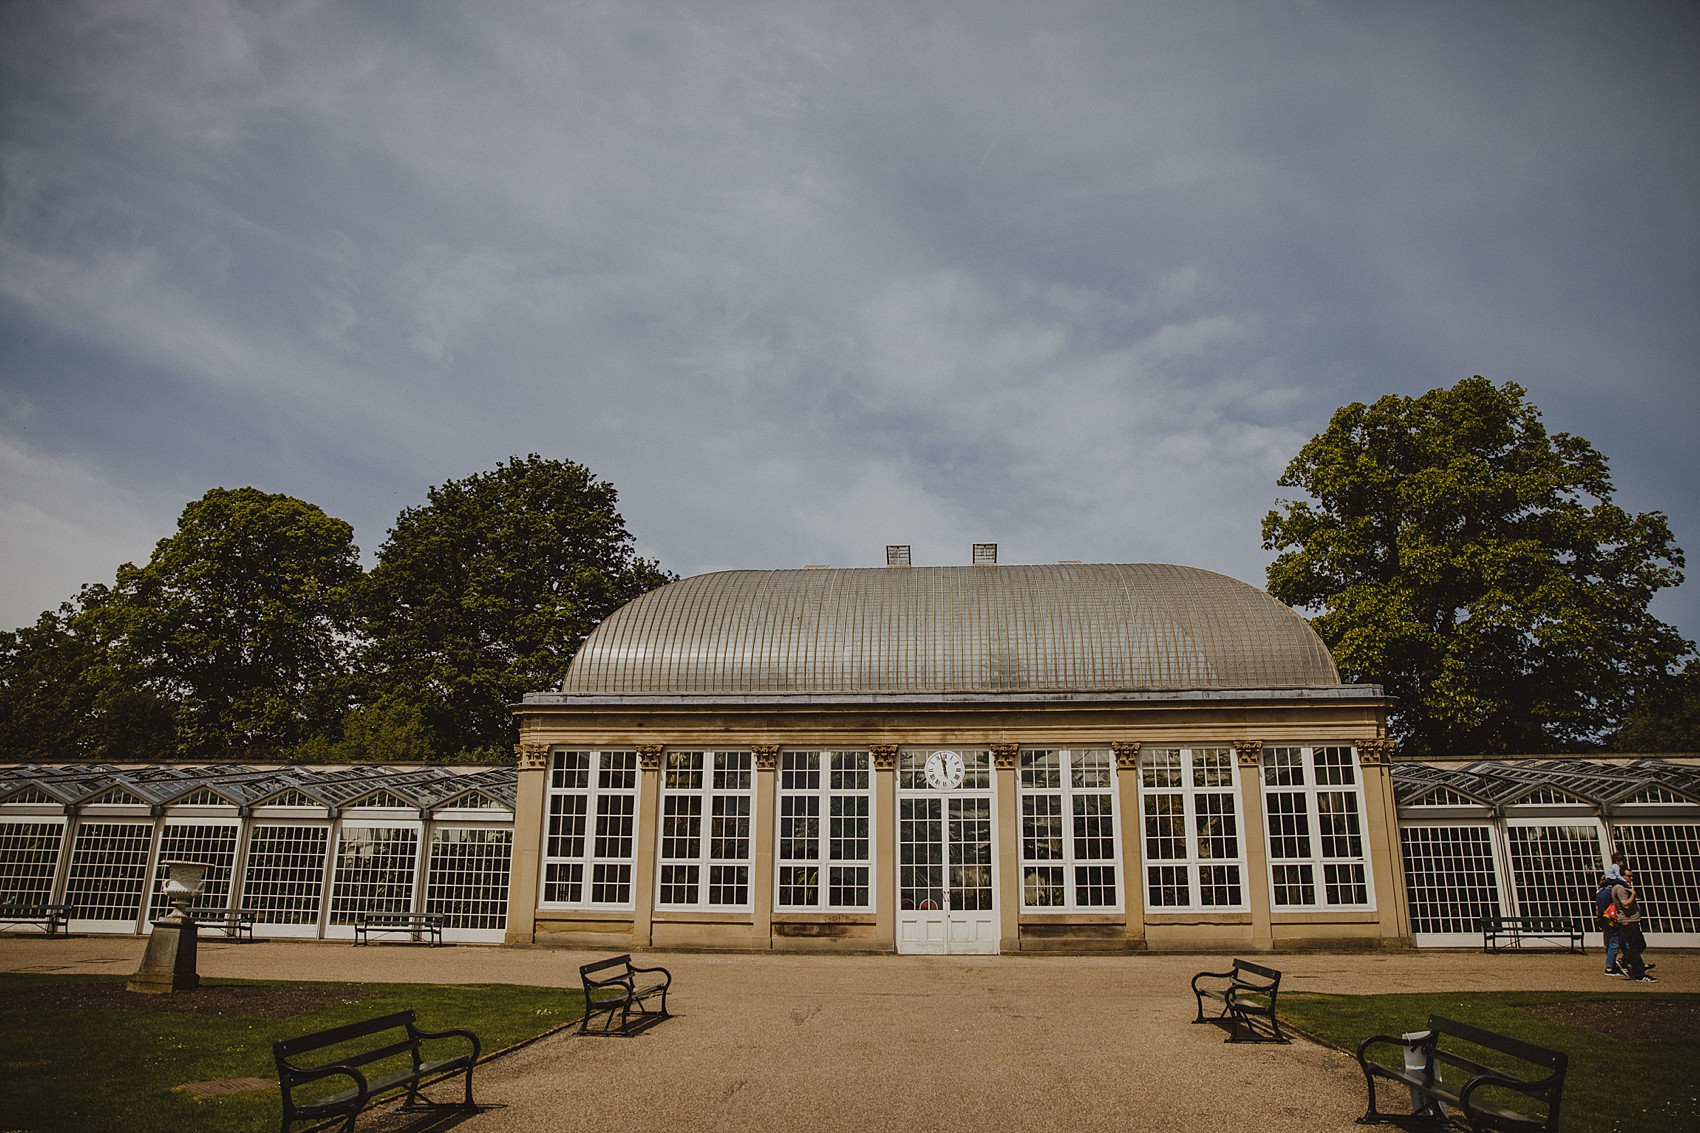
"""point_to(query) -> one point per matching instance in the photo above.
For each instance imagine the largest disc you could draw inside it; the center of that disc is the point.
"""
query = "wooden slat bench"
(1248, 994)
(421, 928)
(50, 918)
(237, 924)
(369, 1055)
(1474, 1087)
(615, 987)
(1514, 930)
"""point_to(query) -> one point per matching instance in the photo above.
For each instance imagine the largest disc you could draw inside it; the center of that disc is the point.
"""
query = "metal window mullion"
(154, 843)
(327, 882)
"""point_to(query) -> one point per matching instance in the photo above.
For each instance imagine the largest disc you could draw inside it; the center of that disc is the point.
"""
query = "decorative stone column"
(1254, 842)
(764, 807)
(1007, 835)
(1133, 838)
(1381, 839)
(530, 820)
(885, 848)
(648, 832)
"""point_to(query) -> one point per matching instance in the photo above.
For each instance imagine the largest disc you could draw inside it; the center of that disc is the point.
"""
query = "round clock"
(944, 771)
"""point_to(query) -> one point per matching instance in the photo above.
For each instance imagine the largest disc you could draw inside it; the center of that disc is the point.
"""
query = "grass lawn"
(80, 1068)
(1612, 1085)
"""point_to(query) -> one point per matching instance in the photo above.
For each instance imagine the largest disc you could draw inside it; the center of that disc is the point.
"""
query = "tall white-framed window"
(467, 877)
(108, 875)
(1451, 878)
(825, 838)
(1312, 806)
(1068, 830)
(1665, 855)
(706, 801)
(1194, 854)
(284, 879)
(1555, 868)
(29, 856)
(209, 841)
(590, 842)
(376, 870)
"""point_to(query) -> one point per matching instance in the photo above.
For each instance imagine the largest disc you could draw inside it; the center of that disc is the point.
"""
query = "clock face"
(944, 771)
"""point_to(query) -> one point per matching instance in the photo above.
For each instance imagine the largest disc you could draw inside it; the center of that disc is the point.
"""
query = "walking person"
(1632, 942)
(1608, 926)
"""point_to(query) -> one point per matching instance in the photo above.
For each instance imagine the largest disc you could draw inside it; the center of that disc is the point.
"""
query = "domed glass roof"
(973, 629)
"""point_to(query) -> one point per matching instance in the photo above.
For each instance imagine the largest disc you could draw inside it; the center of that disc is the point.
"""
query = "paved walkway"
(873, 1043)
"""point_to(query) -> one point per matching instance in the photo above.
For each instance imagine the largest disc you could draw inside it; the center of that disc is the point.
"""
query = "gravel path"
(871, 1043)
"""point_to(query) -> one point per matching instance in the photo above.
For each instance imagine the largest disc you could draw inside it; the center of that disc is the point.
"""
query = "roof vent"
(897, 554)
(985, 554)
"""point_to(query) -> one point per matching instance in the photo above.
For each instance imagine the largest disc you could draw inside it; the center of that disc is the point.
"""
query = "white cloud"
(1080, 280)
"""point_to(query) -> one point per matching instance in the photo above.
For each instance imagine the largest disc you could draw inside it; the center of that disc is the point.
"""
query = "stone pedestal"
(169, 962)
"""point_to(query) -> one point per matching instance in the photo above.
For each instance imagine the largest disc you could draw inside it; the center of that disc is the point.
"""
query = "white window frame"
(709, 792)
(1317, 862)
(1440, 898)
(433, 875)
(322, 865)
(598, 795)
(1068, 793)
(824, 794)
(359, 903)
(1189, 789)
(92, 878)
(156, 904)
(49, 820)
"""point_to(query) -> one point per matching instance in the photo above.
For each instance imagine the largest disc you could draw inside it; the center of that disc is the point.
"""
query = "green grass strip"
(77, 1070)
(1611, 1087)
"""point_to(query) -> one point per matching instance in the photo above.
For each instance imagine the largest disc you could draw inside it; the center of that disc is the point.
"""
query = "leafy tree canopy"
(241, 619)
(485, 592)
(1475, 565)
(1667, 718)
(50, 684)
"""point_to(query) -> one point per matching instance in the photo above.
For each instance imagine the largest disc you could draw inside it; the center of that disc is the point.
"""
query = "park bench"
(615, 987)
(1514, 930)
(419, 927)
(1446, 1076)
(377, 1057)
(1248, 994)
(51, 919)
(237, 924)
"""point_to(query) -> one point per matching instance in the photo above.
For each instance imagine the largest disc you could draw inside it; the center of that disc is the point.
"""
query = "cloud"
(794, 277)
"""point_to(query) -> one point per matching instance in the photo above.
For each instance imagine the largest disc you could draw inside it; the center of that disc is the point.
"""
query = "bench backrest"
(1555, 1062)
(588, 972)
(287, 1049)
(1270, 976)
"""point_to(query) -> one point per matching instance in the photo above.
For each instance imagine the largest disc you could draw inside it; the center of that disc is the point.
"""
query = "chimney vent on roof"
(897, 554)
(985, 554)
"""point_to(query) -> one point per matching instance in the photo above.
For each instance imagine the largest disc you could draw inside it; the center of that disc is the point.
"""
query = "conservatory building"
(954, 759)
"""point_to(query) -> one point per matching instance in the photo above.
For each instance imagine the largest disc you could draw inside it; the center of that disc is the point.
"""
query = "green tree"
(49, 685)
(1667, 719)
(1475, 565)
(243, 620)
(485, 592)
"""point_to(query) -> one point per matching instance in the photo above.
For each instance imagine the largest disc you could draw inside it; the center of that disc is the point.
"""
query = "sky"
(804, 279)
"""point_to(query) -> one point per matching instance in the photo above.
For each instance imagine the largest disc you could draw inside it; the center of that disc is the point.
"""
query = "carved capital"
(1003, 755)
(1250, 752)
(767, 756)
(1127, 754)
(649, 757)
(1375, 753)
(531, 757)
(884, 755)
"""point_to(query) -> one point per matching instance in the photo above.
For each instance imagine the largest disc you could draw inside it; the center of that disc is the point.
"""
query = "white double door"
(946, 895)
